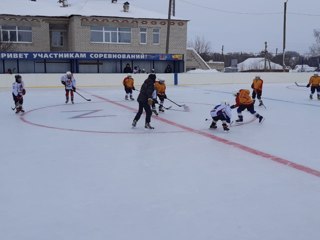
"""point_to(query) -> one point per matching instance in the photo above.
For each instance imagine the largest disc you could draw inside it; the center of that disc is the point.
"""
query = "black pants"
(17, 100)
(256, 93)
(146, 107)
(250, 108)
(313, 89)
(128, 90)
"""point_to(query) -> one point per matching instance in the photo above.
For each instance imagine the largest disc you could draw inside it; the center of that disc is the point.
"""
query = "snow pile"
(257, 64)
(303, 68)
(203, 71)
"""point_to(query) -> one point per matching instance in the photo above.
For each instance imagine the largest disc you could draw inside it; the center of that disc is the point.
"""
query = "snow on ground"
(81, 172)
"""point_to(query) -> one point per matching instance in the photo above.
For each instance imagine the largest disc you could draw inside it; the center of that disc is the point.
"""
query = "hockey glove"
(308, 85)
(150, 101)
(24, 92)
(233, 106)
(74, 89)
(133, 88)
(63, 82)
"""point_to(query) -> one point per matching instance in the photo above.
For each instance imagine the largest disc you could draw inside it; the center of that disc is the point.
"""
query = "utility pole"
(284, 35)
(169, 25)
(265, 56)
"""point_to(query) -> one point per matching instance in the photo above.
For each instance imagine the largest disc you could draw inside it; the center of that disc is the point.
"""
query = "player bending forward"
(17, 93)
(244, 101)
(70, 85)
(223, 113)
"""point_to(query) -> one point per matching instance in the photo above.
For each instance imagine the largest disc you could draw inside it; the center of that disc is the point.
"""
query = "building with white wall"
(96, 36)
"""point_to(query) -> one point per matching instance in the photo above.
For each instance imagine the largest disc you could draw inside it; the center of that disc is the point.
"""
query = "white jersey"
(69, 83)
(154, 94)
(17, 88)
(223, 110)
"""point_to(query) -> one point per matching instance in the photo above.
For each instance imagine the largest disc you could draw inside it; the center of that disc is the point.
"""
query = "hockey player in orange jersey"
(244, 101)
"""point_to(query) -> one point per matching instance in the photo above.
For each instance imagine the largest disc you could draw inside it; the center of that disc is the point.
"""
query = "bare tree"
(202, 47)
(315, 48)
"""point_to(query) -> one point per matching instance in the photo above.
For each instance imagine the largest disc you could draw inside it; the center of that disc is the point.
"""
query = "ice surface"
(81, 172)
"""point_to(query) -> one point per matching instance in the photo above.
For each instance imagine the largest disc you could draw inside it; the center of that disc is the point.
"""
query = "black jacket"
(146, 90)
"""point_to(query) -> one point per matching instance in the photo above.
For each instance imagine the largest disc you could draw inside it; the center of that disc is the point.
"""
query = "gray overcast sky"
(244, 25)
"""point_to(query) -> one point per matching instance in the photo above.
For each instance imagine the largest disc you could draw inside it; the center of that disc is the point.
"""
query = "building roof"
(51, 8)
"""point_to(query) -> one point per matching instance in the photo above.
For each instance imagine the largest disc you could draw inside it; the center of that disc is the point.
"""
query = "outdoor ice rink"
(81, 172)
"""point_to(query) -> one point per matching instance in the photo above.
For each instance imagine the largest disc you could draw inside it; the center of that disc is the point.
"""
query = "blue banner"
(88, 56)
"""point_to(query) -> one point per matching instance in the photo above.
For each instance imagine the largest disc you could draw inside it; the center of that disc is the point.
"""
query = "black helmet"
(152, 76)
(18, 78)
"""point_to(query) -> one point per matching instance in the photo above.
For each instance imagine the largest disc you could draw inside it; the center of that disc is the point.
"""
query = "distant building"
(87, 37)
(195, 61)
(216, 65)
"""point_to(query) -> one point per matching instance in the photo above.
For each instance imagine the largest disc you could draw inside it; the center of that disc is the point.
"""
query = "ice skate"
(240, 119)
(131, 98)
(154, 111)
(225, 127)
(261, 103)
(213, 125)
(161, 109)
(148, 126)
(67, 100)
(261, 119)
(134, 123)
(310, 96)
(126, 97)
(318, 96)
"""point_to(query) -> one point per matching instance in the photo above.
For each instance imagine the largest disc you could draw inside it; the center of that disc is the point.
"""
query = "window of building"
(143, 35)
(57, 39)
(15, 34)
(110, 34)
(156, 36)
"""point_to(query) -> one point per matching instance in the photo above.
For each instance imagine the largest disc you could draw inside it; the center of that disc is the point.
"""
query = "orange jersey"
(314, 81)
(128, 82)
(257, 84)
(160, 88)
(243, 97)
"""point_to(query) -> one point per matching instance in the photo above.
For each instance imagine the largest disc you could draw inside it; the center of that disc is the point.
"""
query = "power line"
(246, 13)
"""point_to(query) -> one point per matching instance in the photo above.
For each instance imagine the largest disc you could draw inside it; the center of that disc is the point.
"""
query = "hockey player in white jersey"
(223, 113)
(18, 91)
(70, 85)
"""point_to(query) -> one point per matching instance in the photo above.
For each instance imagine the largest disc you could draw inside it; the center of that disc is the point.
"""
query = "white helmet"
(68, 73)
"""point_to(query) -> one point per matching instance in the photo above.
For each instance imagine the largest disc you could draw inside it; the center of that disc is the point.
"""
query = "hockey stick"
(186, 108)
(87, 99)
(167, 108)
(299, 85)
